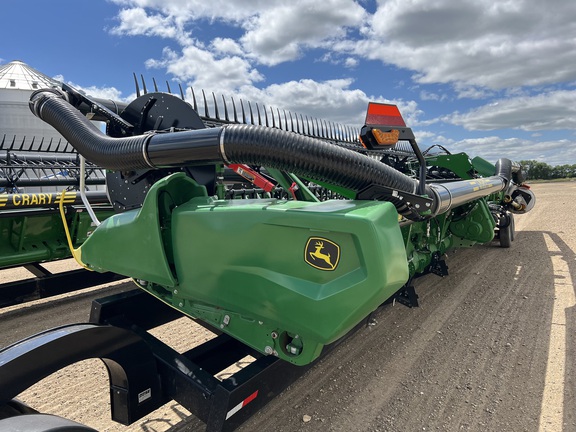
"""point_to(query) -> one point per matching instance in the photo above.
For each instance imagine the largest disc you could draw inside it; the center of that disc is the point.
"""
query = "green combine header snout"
(332, 224)
(285, 277)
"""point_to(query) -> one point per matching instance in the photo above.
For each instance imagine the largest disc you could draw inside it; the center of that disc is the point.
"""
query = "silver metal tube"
(450, 195)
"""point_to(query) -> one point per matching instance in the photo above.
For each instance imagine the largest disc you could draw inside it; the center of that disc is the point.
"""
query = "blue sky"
(495, 79)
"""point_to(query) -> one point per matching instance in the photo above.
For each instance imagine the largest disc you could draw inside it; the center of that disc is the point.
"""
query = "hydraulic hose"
(249, 144)
(111, 153)
(309, 157)
(504, 169)
(253, 145)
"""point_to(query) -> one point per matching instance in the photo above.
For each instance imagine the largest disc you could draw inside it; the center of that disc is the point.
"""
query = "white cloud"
(520, 51)
(188, 10)
(492, 148)
(430, 96)
(137, 22)
(277, 34)
(97, 92)
(273, 31)
(351, 62)
(333, 100)
(547, 111)
(200, 68)
(227, 46)
(475, 42)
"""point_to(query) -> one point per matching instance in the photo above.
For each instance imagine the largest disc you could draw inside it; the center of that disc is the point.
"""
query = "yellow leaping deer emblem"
(322, 254)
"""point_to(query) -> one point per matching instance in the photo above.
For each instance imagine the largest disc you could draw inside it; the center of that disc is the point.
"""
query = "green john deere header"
(281, 231)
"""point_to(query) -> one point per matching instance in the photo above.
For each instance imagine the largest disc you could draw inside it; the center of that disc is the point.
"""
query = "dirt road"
(491, 348)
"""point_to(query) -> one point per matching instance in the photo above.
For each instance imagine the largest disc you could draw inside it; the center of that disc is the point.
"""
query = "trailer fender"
(134, 382)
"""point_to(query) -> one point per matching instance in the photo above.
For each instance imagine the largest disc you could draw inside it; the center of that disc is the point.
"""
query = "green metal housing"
(315, 270)
(285, 277)
(37, 235)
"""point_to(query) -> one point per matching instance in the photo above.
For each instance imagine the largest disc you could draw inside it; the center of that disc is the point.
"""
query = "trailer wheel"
(41, 423)
(15, 408)
(512, 227)
(506, 233)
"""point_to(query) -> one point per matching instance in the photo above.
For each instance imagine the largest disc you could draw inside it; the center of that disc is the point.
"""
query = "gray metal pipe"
(450, 195)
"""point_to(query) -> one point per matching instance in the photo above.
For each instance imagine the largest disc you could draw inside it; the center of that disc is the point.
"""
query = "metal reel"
(152, 111)
(161, 111)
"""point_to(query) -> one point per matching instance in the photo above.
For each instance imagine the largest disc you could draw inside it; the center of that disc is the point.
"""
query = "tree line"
(542, 171)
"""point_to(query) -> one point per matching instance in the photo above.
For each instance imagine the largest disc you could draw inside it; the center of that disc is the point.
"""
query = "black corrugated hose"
(247, 144)
(504, 169)
(309, 157)
(110, 153)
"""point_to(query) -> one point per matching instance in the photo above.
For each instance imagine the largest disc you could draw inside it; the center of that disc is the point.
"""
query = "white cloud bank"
(513, 58)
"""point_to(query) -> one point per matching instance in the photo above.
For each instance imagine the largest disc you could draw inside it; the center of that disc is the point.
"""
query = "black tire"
(512, 226)
(15, 408)
(41, 423)
(506, 234)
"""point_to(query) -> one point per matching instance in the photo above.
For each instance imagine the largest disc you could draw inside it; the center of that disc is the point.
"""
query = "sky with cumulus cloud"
(495, 79)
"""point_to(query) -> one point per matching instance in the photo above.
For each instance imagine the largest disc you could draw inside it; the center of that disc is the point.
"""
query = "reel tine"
(243, 112)
(285, 120)
(273, 120)
(225, 109)
(143, 84)
(251, 113)
(216, 107)
(279, 118)
(136, 84)
(235, 112)
(266, 115)
(155, 86)
(259, 117)
(206, 113)
(194, 99)
(352, 134)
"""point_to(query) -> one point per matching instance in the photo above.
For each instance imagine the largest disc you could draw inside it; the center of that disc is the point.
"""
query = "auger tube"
(256, 145)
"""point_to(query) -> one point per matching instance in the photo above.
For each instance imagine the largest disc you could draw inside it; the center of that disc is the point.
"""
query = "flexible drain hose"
(111, 153)
(254, 145)
(249, 144)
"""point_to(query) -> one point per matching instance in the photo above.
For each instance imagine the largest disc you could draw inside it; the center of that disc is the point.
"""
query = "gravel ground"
(490, 348)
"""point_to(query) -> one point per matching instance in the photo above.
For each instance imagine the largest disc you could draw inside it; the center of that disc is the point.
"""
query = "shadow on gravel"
(472, 357)
(187, 424)
(569, 256)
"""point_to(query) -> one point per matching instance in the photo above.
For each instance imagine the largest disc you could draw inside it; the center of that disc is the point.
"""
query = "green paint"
(245, 259)
(38, 236)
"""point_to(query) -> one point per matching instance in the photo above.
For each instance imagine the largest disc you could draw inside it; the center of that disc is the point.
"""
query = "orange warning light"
(386, 138)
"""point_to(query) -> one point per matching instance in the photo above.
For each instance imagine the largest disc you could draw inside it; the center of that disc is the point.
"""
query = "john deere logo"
(322, 253)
